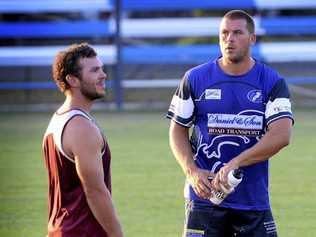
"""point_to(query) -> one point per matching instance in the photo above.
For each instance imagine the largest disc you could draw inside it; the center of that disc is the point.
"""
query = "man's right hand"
(200, 180)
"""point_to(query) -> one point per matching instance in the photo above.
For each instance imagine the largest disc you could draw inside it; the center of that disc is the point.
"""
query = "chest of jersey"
(230, 107)
(229, 97)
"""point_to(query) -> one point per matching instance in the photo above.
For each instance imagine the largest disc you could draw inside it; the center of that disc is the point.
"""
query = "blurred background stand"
(146, 46)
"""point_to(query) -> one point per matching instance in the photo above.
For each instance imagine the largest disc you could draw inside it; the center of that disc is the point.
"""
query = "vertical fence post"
(119, 64)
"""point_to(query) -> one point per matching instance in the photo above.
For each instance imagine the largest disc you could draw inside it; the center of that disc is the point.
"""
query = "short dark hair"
(67, 63)
(240, 14)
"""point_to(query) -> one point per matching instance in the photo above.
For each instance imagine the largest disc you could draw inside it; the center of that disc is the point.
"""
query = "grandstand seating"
(151, 28)
(269, 52)
(21, 6)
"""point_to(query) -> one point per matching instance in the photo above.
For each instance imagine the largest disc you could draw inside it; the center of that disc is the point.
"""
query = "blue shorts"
(203, 220)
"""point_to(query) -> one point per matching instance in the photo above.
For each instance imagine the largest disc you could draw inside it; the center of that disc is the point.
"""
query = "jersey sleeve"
(279, 104)
(182, 107)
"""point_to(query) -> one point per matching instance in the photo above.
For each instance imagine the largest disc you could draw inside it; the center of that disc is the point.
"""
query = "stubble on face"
(91, 78)
(90, 92)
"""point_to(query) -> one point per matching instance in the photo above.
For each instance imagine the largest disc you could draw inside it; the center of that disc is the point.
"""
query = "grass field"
(147, 182)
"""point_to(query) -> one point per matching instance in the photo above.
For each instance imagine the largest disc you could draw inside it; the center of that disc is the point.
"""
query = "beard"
(90, 92)
(236, 58)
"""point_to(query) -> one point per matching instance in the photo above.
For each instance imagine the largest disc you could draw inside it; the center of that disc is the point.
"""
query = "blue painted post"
(119, 64)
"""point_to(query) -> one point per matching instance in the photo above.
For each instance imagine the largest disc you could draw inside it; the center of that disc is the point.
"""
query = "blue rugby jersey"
(229, 114)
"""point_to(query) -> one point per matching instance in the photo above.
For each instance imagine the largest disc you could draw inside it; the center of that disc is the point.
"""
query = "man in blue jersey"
(240, 114)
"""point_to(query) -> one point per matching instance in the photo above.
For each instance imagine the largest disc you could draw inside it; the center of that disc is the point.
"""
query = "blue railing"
(145, 5)
(156, 54)
(22, 6)
(48, 85)
(150, 54)
(144, 28)
(38, 6)
(55, 29)
(164, 5)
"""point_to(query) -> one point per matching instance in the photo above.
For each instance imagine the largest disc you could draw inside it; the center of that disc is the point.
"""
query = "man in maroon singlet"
(77, 154)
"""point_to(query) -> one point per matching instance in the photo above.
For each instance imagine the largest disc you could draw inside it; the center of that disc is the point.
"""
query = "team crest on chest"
(255, 96)
(213, 94)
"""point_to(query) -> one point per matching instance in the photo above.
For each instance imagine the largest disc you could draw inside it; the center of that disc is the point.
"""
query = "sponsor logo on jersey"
(235, 121)
(233, 124)
(213, 94)
(282, 108)
(234, 131)
(213, 148)
(255, 96)
(194, 233)
(228, 130)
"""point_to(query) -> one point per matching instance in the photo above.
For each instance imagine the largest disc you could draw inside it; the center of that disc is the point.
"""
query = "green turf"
(147, 182)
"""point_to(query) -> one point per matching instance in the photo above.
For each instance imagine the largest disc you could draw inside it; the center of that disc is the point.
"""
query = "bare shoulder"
(81, 133)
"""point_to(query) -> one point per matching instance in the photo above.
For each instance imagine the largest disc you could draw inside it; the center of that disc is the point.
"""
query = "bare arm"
(277, 137)
(84, 142)
(181, 148)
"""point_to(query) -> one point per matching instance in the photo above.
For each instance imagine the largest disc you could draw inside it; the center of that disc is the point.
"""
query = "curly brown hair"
(67, 63)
